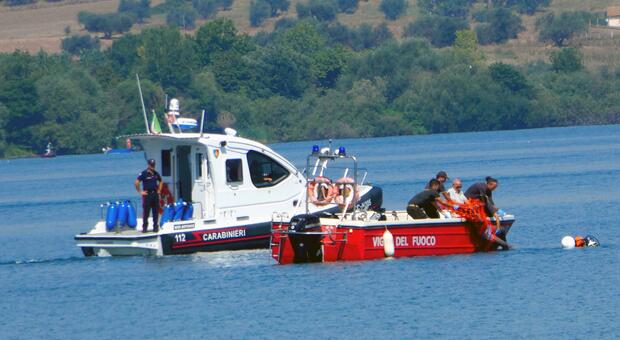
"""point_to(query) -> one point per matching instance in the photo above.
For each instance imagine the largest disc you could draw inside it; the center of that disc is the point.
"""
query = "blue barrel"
(179, 209)
(168, 214)
(132, 218)
(122, 214)
(189, 212)
(111, 215)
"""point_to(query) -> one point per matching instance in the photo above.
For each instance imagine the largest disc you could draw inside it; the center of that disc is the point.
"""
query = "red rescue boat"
(363, 234)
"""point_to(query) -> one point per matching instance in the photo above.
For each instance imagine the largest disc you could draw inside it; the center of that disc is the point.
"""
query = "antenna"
(146, 120)
(202, 122)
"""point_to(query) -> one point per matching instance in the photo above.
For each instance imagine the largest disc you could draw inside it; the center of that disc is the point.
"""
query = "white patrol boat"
(232, 187)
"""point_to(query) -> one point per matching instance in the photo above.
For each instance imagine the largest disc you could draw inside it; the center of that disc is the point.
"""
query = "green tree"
(393, 9)
(567, 60)
(440, 31)
(74, 45)
(509, 76)
(140, 9)
(108, 23)
(560, 28)
(183, 17)
(167, 57)
(447, 8)
(321, 10)
(217, 36)
(259, 11)
(502, 24)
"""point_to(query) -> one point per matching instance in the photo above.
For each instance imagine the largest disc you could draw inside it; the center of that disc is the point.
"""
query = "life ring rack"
(321, 191)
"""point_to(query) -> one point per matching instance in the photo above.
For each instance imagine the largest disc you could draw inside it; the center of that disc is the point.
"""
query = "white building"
(613, 16)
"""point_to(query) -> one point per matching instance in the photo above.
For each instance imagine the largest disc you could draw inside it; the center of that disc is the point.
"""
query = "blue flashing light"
(315, 149)
(342, 151)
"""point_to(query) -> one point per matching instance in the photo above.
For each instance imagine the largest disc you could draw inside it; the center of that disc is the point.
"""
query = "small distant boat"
(49, 152)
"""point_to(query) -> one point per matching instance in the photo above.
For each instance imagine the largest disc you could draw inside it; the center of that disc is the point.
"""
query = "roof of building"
(613, 11)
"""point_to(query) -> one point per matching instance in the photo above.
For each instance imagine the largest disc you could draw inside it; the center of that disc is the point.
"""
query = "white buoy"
(568, 242)
(388, 243)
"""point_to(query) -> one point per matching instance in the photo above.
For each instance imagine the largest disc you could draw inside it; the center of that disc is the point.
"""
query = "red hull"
(356, 243)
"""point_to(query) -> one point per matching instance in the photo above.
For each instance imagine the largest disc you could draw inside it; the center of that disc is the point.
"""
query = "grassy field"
(42, 26)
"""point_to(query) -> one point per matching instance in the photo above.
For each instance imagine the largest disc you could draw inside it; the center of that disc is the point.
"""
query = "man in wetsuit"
(426, 203)
(152, 185)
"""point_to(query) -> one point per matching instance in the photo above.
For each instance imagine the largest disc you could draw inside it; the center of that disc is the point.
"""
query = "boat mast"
(146, 121)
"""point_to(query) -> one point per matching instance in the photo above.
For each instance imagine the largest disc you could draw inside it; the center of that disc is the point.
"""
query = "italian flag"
(155, 127)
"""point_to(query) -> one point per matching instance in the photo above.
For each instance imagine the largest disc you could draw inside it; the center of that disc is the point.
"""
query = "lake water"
(560, 181)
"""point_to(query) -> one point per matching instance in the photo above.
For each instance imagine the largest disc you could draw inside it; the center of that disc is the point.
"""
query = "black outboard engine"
(307, 248)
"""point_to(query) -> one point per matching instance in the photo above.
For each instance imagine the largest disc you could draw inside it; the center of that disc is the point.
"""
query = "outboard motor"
(307, 248)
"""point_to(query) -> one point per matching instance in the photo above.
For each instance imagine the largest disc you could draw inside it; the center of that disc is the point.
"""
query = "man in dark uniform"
(441, 177)
(151, 188)
(426, 203)
(483, 191)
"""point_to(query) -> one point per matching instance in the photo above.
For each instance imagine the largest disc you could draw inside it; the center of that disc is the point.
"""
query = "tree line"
(307, 79)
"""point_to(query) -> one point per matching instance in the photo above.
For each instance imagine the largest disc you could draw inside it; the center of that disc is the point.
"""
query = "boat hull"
(186, 237)
(355, 242)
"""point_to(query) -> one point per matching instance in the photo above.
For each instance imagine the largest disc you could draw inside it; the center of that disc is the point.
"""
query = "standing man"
(151, 188)
(455, 194)
(426, 203)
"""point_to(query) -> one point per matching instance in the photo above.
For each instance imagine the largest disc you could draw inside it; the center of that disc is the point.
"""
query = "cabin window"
(166, 160)
(234, 171)
(264, 171)
(198, 166)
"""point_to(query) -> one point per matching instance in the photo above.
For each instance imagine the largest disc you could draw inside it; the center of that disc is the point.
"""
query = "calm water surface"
(556, 181)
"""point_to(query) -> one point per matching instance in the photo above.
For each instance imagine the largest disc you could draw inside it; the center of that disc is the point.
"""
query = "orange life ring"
(321, 191)
(345, 187)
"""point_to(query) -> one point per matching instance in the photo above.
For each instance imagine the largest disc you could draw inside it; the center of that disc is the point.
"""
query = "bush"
(567, 60)
(76, 44)
(183, 17)
(502, 24)
(440, 31)
(393, 9)
(321, 10)
(259, 11)
(558, 29)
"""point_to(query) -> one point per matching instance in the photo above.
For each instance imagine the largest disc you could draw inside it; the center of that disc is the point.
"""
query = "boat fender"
(132, 216)
(388, 243)
(122, 214)
(111, 215)
(188, 212)
(168, 214)
(179, 208)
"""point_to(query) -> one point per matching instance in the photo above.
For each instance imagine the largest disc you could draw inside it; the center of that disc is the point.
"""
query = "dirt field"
(31, 29)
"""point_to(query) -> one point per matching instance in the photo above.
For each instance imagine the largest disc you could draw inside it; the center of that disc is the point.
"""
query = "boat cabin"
(225, 177)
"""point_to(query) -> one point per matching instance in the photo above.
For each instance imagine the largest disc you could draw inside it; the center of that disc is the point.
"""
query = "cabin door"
(184, 173)
(201, 186)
